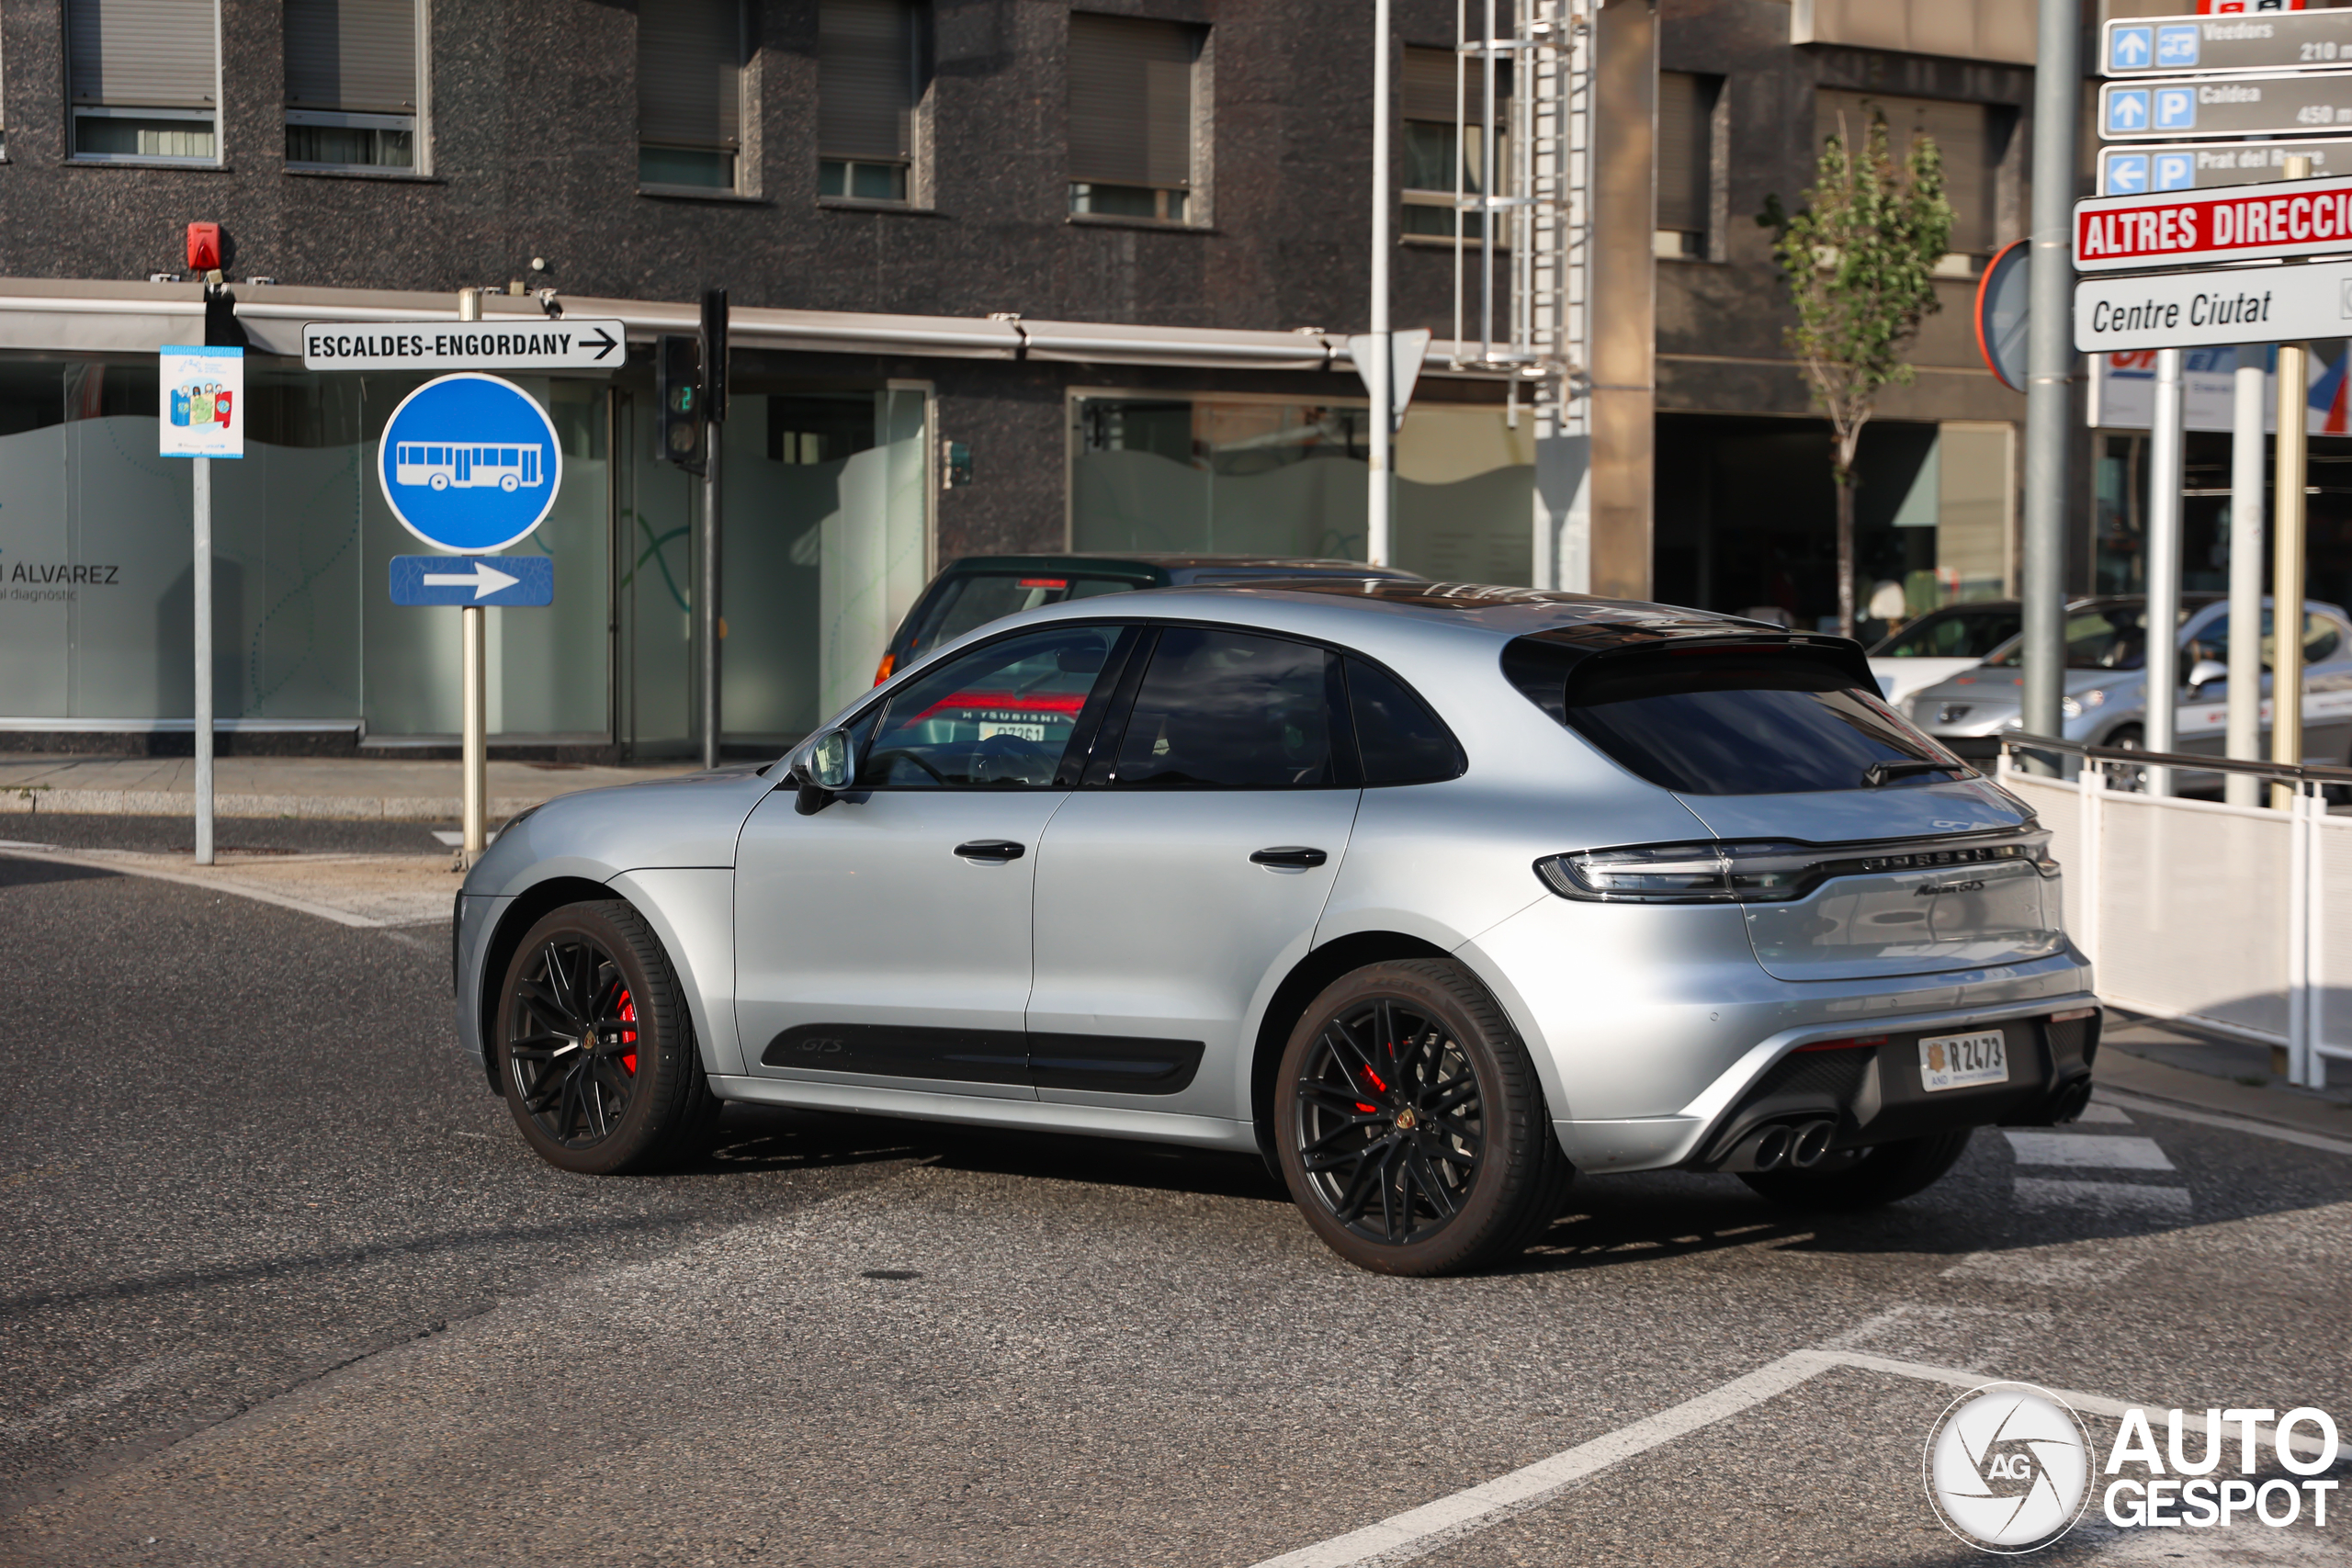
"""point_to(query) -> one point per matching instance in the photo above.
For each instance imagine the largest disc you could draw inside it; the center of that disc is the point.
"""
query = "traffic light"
(677, 368)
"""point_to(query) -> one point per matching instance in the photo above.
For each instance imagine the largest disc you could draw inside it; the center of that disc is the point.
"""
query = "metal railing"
(2235, 917)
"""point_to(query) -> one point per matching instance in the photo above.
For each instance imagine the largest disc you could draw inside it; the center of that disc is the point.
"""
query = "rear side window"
(971, 600)
(1735, 721)
(1227, 710)
(1400, 740)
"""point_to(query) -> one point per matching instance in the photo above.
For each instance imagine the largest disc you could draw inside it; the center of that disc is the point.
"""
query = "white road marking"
(2098, 1113)
(112, 1392)
(101, 861)
(2234, 1124)
(2097, 1151)
(2116, 1197)
(1418, 1531)
(1400, 1538)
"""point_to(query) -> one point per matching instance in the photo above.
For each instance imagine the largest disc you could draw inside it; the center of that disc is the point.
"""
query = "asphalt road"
(282, 1286)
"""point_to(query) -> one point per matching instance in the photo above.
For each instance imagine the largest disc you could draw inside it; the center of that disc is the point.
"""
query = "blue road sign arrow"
(518, 581)
(2127, 110)
(2127, 173)
(2127, 49)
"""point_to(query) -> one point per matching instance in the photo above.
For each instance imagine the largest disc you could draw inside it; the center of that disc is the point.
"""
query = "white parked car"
(1942, 644)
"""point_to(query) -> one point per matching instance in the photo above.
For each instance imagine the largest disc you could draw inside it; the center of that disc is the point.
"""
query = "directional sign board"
(2203, 165)
(2298, 217)
(2278, 104)
(469, 463)
(2223, 305)
(520, 344)
(510, 581)
(2271, 41)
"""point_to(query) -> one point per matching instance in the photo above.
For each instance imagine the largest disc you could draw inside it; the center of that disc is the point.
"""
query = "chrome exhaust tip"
(1812, 1142)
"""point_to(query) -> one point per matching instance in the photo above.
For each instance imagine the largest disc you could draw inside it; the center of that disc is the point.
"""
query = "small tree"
(1859, 260)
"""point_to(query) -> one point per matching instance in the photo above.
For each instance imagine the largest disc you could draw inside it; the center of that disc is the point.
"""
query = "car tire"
(1409, 1124)
(1871, 1177)
(636, 1100)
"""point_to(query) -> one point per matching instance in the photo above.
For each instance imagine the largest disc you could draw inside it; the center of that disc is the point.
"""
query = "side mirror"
(824, 770)
(2206, 672)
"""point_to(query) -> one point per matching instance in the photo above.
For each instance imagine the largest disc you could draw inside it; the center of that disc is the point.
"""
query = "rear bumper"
(1871, 1093)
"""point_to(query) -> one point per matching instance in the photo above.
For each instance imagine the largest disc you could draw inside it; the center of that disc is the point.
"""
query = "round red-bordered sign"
(2001, 312)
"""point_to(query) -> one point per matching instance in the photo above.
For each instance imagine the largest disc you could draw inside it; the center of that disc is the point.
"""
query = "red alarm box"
(203, 248)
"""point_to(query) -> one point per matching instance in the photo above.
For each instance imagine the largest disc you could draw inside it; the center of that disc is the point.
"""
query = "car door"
(1188, 871)
(886, 939)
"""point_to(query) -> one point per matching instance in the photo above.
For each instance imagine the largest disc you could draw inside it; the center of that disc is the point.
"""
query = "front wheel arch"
(525, 911)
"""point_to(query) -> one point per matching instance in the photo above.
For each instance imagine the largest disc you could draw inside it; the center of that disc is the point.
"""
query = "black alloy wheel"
(595, 1052)
(1414, 1136)
(1389, 1121)
(571, 1041)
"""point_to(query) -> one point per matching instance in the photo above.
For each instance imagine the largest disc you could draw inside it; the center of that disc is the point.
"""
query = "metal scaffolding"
(1533, 191)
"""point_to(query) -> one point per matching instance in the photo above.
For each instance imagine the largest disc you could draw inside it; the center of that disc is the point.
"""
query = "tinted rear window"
(1725, 721)
(970, 602)
(1228, 710)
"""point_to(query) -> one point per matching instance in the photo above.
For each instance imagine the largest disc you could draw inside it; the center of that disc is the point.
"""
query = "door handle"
(1289, 855)
(990, 849)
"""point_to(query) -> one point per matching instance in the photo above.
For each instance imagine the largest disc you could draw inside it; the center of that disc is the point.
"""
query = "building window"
(1426, 103)
(690, 94)
(352, 85)
(143, 80)
(1686, 163)
(867, 82)
(1131, 118)
(1972, 139)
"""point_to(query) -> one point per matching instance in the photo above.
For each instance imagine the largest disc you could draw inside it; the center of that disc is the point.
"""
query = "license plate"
(1963, 1061)
(1034, 733)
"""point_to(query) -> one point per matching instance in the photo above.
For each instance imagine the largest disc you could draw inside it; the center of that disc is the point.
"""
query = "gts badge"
(1974, 885)
(820, 1044)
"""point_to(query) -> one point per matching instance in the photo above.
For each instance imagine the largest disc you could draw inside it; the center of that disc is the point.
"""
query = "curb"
(37, 800)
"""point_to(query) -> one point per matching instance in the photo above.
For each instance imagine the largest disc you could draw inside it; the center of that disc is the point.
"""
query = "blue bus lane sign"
(469, 463)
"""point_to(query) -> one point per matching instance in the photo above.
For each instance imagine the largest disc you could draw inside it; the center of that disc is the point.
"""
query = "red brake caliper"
(1377, 1085)
(628, 1036)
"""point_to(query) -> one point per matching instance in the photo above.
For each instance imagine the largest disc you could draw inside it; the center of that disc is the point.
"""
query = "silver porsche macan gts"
(1432, 895)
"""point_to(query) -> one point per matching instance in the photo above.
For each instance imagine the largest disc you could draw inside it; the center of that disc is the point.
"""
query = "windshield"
(1951, 634)
(1745, 721)
(2112, 637)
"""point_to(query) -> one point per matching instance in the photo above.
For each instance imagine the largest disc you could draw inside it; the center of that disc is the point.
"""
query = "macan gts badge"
(1432, 895)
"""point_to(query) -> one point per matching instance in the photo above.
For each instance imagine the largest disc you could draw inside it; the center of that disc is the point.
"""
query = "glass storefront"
(1747, 517)
(1245, 475)
(95, 562)
(827, 530)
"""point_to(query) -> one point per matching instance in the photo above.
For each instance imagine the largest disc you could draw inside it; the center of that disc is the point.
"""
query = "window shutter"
(1425, 87)
(1131, 100)
(865, 79)
(351, 56)
(143, 53)
(1685, 150)
(690, 73)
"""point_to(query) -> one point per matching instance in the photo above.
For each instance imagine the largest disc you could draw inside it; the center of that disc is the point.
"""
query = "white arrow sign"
(485, 579)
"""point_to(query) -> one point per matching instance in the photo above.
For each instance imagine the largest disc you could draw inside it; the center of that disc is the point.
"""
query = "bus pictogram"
(467, 466)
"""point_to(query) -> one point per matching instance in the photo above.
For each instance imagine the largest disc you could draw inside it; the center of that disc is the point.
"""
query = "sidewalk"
(340, 787)
(2209, 1072)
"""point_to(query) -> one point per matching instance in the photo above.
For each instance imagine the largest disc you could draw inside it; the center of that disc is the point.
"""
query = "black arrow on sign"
(603, 342)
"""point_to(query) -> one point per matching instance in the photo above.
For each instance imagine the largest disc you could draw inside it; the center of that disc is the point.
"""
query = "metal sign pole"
(203, 586)
(1377, 542)
(2248, 501)
(474, 744)
(2167, 436)
(2049, 368)
(2287, 569)
(714, 410)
